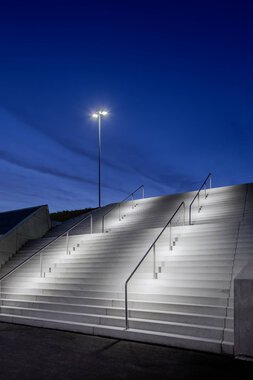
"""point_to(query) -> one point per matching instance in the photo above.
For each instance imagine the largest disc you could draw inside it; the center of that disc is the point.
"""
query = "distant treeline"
(62, 216)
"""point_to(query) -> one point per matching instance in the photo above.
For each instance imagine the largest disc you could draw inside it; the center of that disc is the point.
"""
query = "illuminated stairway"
(188, 305)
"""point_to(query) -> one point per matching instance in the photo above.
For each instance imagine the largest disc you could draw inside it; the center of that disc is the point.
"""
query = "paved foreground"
(35, 353)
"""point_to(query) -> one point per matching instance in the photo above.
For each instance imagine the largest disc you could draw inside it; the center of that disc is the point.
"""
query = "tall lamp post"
(98, 115)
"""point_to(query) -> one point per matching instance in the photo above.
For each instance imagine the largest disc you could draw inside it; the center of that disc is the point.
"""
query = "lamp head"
(99, 113)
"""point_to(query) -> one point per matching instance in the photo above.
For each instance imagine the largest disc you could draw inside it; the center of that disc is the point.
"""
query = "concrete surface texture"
(10, 219)
(183, 298)
(244, 313)
(20, 226)
(29, 353)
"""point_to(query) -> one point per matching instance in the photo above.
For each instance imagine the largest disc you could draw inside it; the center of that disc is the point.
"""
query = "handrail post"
(210, 179)
(142, 192)
(190, 214)
(119, 212)
(126, 307)
(198, 202)
(154, 263)
(184, 215)
(91, 223)
(16, 241)
(132, 200)
(103, 224)
(41, 263)
(67, 243)
(170, 237)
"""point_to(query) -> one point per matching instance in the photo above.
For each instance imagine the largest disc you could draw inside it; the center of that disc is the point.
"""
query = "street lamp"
(98, 115)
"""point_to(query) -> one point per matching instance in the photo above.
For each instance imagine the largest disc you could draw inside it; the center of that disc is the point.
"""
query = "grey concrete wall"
(243, 312)
(32, 227)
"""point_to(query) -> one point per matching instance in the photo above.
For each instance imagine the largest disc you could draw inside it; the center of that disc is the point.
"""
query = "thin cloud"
(67, 144)
(159, 173)
(7, 157)
(174, 181)
(154, 172)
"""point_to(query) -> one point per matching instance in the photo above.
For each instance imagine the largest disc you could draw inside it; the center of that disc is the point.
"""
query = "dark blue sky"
(176, 76)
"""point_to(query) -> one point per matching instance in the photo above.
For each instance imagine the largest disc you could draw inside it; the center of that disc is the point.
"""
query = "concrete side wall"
(243, 309)
(32, 227)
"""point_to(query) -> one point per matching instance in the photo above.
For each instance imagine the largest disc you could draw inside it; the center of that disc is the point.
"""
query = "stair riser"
(210, 333)
(207, 333)
(176, 341)
(166, 307)
(149, 315)
(117, 281)
(219, 300)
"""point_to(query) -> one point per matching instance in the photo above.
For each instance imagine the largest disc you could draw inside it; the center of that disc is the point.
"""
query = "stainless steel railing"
(67, 239)
(119, 206)
(153, 248)
(197, 196)
(40, 250)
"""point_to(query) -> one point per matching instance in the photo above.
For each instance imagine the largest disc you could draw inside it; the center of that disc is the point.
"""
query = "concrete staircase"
(189, 304)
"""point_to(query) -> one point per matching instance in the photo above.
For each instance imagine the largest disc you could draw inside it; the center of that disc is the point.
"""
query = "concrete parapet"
(243, 309)
(33, 226)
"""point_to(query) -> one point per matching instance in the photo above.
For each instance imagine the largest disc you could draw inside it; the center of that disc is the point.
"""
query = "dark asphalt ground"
(30, 353)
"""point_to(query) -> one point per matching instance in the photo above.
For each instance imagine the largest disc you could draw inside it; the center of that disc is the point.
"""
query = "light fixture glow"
(99, 113)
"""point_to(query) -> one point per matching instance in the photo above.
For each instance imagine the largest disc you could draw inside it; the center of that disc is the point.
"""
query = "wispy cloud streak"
(147, 168)
(8, 157)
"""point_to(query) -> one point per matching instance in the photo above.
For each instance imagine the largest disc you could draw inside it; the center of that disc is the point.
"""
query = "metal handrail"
(182, 204)
(119, 205)
(39, 251)
(197, 195)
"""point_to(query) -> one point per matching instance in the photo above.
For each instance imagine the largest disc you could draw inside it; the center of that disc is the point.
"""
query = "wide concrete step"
(201, 238)
(139, 241)
(116, 280)
(176, 295)
(210, 284)
(202, 251)
(168, 316)
(175, 340)
(75, 269)
(209, 332)
(219, 301)
(199, 257)
(175, 307)
(164, 272)
(173, 263)
(195, 276)
(182, 268)
(206, 244)
(89, 260)
(173, 268)
(79, 267)
(177, 328)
